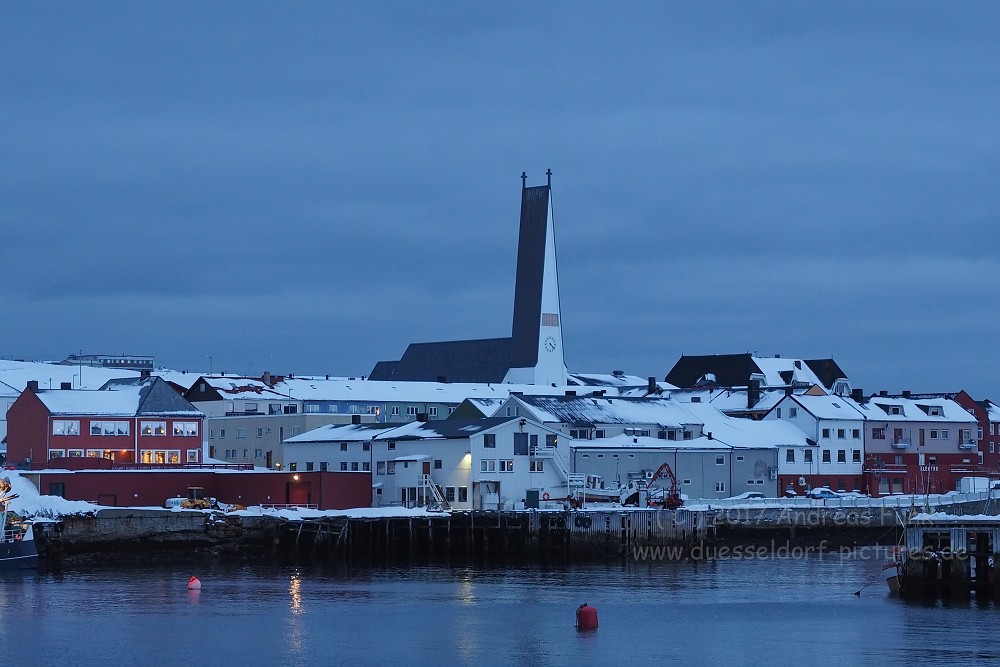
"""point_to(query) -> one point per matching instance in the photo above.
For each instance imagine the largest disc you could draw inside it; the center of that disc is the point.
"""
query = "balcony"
(966, 444)
(901, 444)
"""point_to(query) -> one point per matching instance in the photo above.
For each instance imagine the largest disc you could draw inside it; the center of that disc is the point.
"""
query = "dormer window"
(934, 411)
(895, 410)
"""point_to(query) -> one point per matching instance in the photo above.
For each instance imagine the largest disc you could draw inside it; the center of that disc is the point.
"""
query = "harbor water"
(799, 609)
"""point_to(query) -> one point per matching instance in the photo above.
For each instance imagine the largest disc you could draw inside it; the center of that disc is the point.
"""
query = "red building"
(132, 420)
(151, 488)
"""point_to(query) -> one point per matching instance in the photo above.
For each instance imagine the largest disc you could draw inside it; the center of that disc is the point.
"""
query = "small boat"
(892, 571)
(17, 543)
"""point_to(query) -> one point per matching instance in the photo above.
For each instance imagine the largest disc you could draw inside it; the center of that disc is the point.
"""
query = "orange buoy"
(586, 617)
(194, 584)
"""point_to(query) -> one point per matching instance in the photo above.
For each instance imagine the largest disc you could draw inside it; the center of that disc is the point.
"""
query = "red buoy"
(194, 584)
(586, 617)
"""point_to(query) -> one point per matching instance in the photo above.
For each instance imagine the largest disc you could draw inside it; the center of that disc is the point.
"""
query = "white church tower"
(537, 341)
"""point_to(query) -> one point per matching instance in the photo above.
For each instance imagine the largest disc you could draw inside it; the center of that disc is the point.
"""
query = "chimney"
(327, 376)
(858, 395)
(355, 419)
(651, 386)
(32, 386)
(906, 393)
(883, 393)
(753, 393)
(266, 378)
(708, 435)
(618, 374)
(442, 378)
(65, 385)
(788, 391)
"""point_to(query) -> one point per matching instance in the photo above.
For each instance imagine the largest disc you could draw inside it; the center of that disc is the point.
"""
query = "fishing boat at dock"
(947, 554)
(17, 543)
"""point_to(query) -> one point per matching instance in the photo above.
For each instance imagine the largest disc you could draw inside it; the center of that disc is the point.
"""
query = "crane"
(672, 498)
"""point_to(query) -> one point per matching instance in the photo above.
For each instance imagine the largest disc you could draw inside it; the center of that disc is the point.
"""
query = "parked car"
(749, 495)
(823, 493)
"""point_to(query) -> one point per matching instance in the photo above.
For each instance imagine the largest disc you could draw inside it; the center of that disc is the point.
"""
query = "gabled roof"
(442, 429)
(736, 370)
(599, 410)
(484, 360)
(128, 397)
(740, 432)
(879, 408)
(16, 374)
(830, 407)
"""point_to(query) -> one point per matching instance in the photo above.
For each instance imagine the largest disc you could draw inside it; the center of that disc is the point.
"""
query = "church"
(533, 353)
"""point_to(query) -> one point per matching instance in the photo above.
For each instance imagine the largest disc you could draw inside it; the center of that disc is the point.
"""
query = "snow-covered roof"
(341, 433)
(647, 442)
(830, 407)
(993, 411)
(618, 380)
(442, 429)
(121, 397)
(773, 367)
(879, 408)
(740, 432)
(14, 376)
(237, 388)
(605, 410)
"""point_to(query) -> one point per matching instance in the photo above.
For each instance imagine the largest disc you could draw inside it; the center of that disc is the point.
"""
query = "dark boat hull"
(18, 555)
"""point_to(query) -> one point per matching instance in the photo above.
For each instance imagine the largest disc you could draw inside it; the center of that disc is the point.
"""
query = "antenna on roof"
(548, 172)
(524, 180)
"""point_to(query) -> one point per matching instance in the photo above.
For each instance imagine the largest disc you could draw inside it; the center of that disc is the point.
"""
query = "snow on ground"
(30, 503)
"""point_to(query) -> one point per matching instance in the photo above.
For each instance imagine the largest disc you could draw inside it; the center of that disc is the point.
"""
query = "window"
(807, 456)
(898, 459)
(366, 466)
(535, 466)
(841, 433)
(293, 466)
(520, 444)
(186, 429)
(720, 459)
(778, 412)
(260, 431)
(934, 434)
(463, 494)
(343, 446)
(579, 433)
(211, 434)
(343, 466)
(793, 412)
(437, 464)
(944, 434)
(241, 432)
(160, 428)
(855, 456)
(855, 433)
(551, 440)
(841, 456)
(451, 410)
(688, 435)
(720, 487)
(490, 440)
(392, 444)
(312, 407)
(449, 494)
(354, 466)
(671, 435)
(432, 411)
(487, 465)
(109, 428)
(309, 466)
(966, 435)
(826, 456)
(366, 446)
(506, 465)
(57, 453)
(789, 456)
(599, 433)
(65, 427)
(249, 407)
(411, 410)
(323, 466)
(826, 433)
(380, 467)
(246, 453)
(395, 410)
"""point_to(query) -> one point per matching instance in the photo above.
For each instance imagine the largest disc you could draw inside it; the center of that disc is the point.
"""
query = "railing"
(289, 506)
(553, 455)
(428, 483)
(908, 500)
(182, 466)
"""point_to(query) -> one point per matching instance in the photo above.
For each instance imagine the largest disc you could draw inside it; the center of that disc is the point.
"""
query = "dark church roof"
(489, 359)
(486, 360)
(734, 370)
(826, 370)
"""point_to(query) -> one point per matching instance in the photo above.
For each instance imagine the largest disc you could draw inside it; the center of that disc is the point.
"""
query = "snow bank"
(30, 503)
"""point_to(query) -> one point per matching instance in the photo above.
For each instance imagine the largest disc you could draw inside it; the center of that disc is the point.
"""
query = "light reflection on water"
(693, 613)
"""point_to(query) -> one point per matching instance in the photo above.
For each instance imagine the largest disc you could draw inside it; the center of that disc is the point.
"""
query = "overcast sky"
(308, 187)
